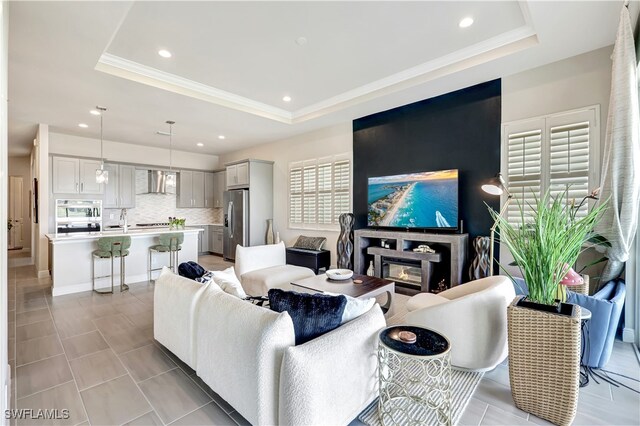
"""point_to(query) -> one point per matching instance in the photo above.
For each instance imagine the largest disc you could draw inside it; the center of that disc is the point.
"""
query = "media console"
(416, 268)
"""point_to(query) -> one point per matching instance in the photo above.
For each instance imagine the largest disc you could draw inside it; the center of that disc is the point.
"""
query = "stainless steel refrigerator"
(236, 221)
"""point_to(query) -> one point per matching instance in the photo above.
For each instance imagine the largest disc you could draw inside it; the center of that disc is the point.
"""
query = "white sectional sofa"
(247, 355)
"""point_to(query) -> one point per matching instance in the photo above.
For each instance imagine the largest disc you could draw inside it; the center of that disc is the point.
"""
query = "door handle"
(230, 218)
(76, 186)
(82, 187)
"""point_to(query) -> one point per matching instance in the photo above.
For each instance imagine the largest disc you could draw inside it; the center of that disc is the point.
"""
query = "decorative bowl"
(339, 274)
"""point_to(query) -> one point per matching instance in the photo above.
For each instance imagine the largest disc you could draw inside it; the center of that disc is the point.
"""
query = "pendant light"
(171, 177)
(102, 175)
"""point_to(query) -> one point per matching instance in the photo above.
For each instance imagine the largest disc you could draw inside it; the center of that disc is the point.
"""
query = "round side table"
(414, 378)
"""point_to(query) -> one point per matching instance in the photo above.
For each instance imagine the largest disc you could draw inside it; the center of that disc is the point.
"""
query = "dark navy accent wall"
(459, 130)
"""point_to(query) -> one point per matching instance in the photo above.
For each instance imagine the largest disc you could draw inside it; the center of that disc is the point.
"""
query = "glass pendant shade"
(102, 176)
(171, 180)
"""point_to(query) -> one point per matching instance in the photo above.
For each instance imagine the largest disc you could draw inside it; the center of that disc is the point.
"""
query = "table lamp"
(496, 186)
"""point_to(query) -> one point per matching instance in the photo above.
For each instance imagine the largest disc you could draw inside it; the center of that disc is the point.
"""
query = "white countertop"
(132, 232)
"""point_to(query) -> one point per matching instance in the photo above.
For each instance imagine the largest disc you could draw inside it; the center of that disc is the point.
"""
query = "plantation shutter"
(309, 194)
(569, 162)
(524, 172)
(324, 193)
(319, 191)
(341, 188)
(295, 195)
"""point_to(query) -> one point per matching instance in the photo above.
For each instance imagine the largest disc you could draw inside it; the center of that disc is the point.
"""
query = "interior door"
(15, 212)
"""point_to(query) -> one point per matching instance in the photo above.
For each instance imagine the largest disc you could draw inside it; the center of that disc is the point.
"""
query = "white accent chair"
(261, 268)
(473, 316)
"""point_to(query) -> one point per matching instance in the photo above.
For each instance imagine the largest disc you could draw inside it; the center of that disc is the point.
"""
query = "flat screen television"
(426, 200)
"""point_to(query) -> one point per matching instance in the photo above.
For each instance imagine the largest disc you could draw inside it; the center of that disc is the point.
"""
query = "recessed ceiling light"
(200, 144)
(164, 53)
(287, 98)
(465, 22)
(84, 126)
(221, 136)
(94, 112)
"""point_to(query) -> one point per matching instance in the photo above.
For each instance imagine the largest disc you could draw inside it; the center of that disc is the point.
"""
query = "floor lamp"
(496, 186)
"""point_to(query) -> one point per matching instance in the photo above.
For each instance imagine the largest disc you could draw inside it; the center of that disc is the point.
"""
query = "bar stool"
(169, 243)
(109, 248)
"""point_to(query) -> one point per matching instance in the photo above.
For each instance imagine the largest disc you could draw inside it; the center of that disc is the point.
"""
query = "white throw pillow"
(229, 283)
(354, 307)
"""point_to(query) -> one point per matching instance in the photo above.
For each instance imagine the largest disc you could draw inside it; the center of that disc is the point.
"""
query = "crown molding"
(485, 51)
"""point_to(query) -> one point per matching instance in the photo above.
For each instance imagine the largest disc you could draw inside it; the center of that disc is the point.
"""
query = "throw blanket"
(621, 166)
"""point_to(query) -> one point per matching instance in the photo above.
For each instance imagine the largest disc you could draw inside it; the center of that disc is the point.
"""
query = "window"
(559, 152)
(319, 191)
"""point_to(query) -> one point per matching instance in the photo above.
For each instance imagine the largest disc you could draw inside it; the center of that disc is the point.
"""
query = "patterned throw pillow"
(310, 243)
(312, 314)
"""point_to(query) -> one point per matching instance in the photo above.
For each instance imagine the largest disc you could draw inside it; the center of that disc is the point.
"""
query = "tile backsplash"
(151, 208)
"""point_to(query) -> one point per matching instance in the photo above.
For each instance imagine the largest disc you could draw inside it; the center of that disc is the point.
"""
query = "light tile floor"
(95, 355)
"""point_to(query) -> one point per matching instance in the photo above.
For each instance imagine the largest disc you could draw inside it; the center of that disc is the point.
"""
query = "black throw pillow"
(190, 270)
(312, 314)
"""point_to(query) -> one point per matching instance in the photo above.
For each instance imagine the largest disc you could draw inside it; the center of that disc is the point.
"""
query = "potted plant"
(544, 333)
(176, 223)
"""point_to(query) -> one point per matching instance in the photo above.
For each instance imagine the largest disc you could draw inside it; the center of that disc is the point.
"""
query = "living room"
(159, 137)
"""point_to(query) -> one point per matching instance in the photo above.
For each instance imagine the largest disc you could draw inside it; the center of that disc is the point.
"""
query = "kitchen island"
(71, 257)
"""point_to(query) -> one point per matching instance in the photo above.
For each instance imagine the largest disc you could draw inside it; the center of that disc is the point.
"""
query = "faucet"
(123, 216)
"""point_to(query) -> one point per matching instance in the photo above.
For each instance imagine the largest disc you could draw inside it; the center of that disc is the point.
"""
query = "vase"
(480, 266)
(544, 359)
(345, 241)
(269, 236)
(277, 237)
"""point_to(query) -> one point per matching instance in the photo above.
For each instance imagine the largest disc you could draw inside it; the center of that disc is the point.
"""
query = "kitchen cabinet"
(214, 186)
(75, 176)
(209, 189)
(238, 175)
(215, 239)
(191, 189)
(185, 189)
(120, 191)
(203, 239)
(197, 191)
(88, 184)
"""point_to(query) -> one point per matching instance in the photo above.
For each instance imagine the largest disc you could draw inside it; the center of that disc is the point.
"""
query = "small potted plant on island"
(176, 223)
(543, 332)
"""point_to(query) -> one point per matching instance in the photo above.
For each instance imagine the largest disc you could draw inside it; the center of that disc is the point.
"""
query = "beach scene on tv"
(416, 200)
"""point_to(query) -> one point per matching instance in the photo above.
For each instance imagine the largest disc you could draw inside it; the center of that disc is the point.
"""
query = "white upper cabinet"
(238, 175)
(66, 175)
(111, 193)
(75, 176)
(127, 186)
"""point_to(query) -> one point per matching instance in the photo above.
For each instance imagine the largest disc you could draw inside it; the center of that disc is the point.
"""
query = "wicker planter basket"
(544, 362)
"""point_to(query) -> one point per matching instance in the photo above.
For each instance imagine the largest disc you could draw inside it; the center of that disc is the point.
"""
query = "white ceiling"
(234, 61)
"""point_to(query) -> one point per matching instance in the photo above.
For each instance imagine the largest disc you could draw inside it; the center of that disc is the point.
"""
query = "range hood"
(158, 182)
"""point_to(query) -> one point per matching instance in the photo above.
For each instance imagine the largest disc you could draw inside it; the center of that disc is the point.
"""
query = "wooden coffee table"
(370, 287)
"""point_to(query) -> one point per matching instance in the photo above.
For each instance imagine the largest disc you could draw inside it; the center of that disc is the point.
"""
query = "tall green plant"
(545, 241)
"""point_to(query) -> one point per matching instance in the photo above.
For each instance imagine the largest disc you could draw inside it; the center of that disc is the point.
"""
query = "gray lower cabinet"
(203, 239)
(215, 239)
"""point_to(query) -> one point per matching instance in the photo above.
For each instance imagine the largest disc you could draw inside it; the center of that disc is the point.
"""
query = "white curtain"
(621, 167)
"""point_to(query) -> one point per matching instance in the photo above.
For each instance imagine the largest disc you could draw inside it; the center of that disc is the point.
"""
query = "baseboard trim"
(79, 288)
(43, 274)
(628, 335)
